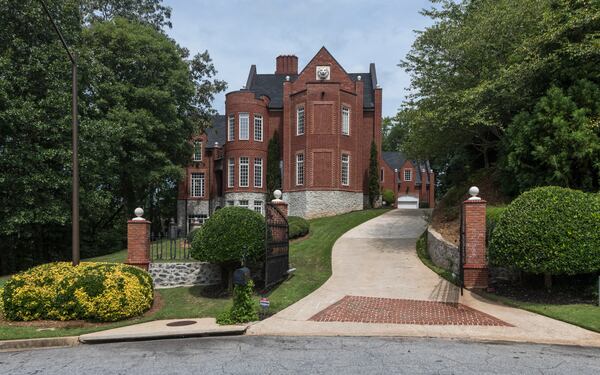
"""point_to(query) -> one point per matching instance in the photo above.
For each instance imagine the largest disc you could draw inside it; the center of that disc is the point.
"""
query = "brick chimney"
(286, 64)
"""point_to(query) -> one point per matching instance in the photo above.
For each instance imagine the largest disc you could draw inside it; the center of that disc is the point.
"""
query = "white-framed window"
(197, 151)
(258, 172)
(300, 120)
(408, 175)
(243, 203)
(258, 128)
(244, 126)
(299, 169)
(345, 121)
(230, 203)
(231, 173)
(197, 186)
(381, 175)
(345, 169)
(244, 171)
(231, 128)
(258, 206)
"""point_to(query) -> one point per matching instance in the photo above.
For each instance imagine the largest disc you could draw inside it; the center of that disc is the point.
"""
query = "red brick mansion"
(325, 119)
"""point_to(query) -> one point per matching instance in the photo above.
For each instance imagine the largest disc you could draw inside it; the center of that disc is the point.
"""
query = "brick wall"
(475, 267)
(138, 243)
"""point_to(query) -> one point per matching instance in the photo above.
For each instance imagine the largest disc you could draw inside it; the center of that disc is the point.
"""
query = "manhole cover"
(181, 323)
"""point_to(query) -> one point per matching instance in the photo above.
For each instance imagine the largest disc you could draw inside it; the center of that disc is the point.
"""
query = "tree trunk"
(548, 281)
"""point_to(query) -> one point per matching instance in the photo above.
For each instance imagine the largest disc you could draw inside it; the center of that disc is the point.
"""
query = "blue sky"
(239, 33)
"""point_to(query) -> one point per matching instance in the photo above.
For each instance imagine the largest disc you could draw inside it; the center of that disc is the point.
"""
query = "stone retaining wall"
(169, 275)
(443, 253)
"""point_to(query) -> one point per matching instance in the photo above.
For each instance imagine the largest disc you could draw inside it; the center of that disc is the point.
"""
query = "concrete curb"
(49, 342)
(159, 336)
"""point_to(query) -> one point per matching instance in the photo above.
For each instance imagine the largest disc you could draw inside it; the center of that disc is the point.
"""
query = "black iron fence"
(169, 246)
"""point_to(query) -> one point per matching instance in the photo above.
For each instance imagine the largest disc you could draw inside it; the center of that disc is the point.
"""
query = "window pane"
(407, 175)
(231, 173)
(244, 171)
(300, 169)
(258, 206)
(258, 172)
(258, 128)
(345, 121)
(244, 126)
(300, 121)
(243, 203)
(345, 169)
(231, 130)
(197, 185)
(197, 151)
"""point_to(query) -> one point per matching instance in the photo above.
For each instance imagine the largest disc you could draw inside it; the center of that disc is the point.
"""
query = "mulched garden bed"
(565, 291)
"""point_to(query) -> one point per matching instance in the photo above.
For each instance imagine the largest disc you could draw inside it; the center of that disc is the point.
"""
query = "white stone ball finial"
(474, 191)
(287, 78)
(138, 213)
(277, 194)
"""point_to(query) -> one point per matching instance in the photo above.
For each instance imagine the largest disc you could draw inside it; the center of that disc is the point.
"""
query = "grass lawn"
(310, 256)
(582, 315)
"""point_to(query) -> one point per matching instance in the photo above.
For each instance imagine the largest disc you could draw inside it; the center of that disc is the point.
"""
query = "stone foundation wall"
(169, 275)
(443, 253)
(250, 197)
(310, 204)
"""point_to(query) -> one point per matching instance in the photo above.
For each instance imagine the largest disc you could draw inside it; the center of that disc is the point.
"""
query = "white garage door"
(408, 201)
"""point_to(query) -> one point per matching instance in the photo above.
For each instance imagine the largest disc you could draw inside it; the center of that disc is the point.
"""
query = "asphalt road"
(303, 355)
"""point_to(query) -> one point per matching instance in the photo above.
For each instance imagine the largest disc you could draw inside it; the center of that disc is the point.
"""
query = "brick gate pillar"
(280, 204)
(138, 241)
(475, 263)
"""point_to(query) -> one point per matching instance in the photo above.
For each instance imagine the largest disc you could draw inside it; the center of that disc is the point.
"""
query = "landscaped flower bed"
(90, 291)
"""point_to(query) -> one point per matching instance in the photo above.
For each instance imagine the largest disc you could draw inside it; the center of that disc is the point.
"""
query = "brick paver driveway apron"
(380, 287)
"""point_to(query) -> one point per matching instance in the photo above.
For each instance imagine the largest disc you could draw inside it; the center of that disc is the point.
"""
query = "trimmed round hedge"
(549, 230)
(91, 291)
(388, 197)
(227, 234)
(298, 227)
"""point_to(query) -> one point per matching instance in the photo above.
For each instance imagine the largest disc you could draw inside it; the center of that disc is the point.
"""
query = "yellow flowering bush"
(91, 291)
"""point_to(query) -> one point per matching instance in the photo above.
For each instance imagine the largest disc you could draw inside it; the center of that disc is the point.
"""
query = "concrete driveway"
(375, 266)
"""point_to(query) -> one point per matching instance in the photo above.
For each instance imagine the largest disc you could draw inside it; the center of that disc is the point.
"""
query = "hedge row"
(299, 227)
(90, 291)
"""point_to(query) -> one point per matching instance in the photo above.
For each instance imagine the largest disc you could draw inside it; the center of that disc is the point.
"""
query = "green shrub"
(298, 227)
(228, 235)
(191, 235)
(90, 291)
(388, 197)
(549, 230)
(492, 215)
(243, 309)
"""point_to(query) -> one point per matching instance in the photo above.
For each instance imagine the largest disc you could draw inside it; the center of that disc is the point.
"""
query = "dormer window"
(197, 151)
(408, 175)
(345, 121)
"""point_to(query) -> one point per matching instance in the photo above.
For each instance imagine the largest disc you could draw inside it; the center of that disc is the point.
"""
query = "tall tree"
(374, 190)
(273, 159)
(141, 98)
(484, 61)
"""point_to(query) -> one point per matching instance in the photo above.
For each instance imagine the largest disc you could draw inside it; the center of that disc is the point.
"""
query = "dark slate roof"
(216, 132)
(393, 159)
(368, 101)
(396, 159)
(271, 85)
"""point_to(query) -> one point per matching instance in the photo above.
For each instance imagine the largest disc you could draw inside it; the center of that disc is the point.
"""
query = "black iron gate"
(461, 249)
(276, 245)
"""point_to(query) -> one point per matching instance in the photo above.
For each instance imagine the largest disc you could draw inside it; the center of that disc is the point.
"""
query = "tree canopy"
(482, 63)
(141, 97)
